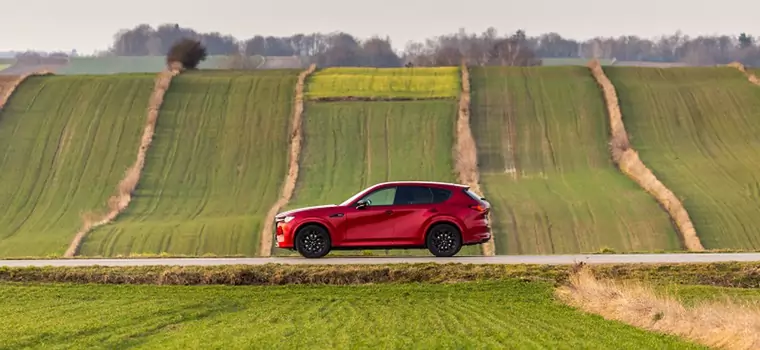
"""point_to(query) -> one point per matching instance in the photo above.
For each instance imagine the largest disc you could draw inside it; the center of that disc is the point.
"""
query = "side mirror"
(362, 203)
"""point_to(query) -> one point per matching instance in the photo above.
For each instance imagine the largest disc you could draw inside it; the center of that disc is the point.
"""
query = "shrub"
(187, 51)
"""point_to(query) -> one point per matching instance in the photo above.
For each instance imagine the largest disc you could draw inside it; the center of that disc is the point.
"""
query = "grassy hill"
(64, 144)
(127, 64)
(697, 128)
(541, 134)
(215, 167)
(3, 66)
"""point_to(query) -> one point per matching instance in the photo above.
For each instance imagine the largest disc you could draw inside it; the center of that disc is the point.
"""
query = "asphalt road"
(503, 259)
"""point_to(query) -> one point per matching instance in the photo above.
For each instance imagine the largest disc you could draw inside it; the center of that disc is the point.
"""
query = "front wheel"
(313, 241)
(444, 240)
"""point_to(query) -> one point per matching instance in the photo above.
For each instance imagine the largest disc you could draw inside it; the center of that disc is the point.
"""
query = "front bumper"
(283, 237)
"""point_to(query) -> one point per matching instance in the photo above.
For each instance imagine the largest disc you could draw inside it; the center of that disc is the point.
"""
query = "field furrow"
(64, 145)
(349, 146)
(542, 135)
(384, 83)
(697, 128)
(215, 167)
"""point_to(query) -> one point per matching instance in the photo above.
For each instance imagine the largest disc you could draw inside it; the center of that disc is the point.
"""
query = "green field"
(216, 166)
(697, 128)
(349, 146)
(3, 66)
(507, 314)
(384, 83)
(64, 145)
(127, 64)
(541, 134)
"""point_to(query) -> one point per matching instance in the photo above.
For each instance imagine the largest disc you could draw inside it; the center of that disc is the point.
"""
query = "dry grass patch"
(723, 324)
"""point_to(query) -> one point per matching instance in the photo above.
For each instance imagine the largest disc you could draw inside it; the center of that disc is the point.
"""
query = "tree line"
(486, 48)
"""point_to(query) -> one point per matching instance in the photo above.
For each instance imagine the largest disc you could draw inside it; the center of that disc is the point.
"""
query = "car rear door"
(412, 207)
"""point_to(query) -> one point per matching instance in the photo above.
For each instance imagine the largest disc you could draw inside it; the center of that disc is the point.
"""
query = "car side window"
(407, 195)
(381, 197)
(440, 195)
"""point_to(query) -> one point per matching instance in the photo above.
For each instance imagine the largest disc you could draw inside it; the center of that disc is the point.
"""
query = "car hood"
(299, 210)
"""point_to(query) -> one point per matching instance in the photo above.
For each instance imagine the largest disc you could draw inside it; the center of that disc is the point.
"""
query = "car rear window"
(473, 195)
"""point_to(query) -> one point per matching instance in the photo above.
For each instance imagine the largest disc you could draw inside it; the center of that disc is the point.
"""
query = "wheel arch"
(444, 221)
(311, 222)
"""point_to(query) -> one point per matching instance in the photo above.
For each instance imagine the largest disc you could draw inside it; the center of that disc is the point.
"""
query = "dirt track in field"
(118, 202)
(296, 137)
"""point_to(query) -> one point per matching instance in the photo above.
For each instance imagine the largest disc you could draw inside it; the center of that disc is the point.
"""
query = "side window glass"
(407, 195)
(440, 195)
(382, 197)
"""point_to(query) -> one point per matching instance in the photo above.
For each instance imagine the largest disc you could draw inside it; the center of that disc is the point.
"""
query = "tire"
(444, 240)
(313, 241)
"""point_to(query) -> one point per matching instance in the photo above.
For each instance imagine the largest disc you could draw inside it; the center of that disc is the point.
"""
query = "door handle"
(389, 212)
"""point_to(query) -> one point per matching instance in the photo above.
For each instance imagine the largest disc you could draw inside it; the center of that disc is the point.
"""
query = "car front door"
(372, 224)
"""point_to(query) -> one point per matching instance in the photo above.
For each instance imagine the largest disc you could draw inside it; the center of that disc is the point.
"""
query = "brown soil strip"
(8, 84)
(374, 99)
(722, 324)
(751, 77)
(627, 160)
(118, 202)
(265, 248)
(465, 150)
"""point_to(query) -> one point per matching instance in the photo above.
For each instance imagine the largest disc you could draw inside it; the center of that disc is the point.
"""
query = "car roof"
(413, 182)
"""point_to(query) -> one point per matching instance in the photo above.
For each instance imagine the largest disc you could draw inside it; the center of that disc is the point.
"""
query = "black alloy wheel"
(444, 240)
(313, 241)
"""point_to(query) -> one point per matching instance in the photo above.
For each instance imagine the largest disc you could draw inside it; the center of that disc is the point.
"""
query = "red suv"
(441, 217)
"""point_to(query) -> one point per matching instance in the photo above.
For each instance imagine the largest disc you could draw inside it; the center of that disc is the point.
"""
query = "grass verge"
(742, 275)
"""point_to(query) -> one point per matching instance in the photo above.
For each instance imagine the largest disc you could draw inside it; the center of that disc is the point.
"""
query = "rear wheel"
(313, 241)
(444, 240)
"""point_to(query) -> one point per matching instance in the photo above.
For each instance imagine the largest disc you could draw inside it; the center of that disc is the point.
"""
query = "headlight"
(288, 219)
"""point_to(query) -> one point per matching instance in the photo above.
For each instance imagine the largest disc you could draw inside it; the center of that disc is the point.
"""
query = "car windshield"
(353, 198)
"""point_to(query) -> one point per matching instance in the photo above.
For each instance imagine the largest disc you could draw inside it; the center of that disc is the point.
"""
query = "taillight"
(479, 207)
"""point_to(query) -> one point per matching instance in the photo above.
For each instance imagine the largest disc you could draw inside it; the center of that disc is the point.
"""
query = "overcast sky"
(88, 25)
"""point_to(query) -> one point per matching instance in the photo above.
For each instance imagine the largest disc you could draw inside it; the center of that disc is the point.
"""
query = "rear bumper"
(478, 238)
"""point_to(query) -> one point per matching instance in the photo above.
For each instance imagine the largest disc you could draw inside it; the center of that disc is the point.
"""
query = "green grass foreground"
(502, 314)
(384, 83)
(542, 136)
(65, 142)
(215, 167)
(697, 130)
